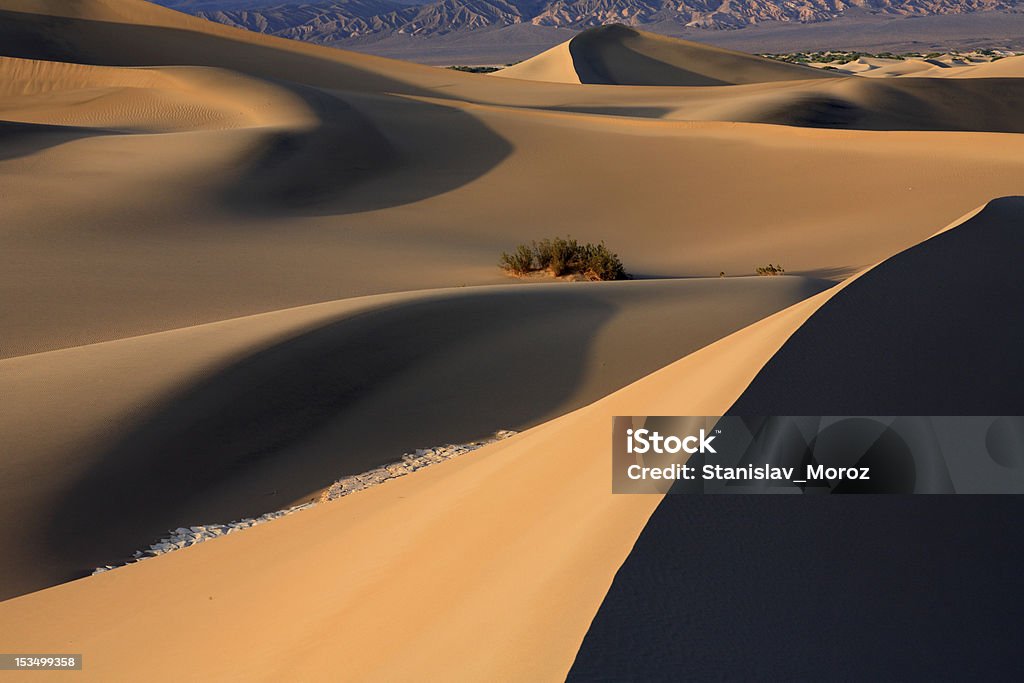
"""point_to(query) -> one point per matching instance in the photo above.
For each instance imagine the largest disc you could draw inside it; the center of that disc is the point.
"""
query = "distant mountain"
(324, 22)
(329, 21)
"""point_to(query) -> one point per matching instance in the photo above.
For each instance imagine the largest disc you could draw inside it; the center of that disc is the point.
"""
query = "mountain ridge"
(330, 21)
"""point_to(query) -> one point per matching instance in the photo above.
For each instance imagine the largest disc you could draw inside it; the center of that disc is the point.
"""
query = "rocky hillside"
(327, 21)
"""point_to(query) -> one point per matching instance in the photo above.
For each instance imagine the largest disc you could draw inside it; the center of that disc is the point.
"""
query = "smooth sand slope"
(114, 443)
(934, 330)
(482, 549)
(551, 66)
(211, 224)
(155, 100)
(177, 196)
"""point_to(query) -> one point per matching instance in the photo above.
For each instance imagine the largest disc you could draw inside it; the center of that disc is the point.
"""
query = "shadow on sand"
(338, 400)
(858, 587)
(320, 171)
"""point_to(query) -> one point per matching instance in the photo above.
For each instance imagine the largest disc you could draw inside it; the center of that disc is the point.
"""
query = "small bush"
(475, 69)
(561, 257)
(519, 262)
(770, 270)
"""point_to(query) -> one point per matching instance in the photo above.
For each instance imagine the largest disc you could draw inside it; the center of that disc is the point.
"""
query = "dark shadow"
(861, 587)
(338, 400)
(604, 55)
(322, 170)
(846, 588)
(815, 111)
(934, 104)
(600, 57)
(25, 139)
(283, 422)
(398, 152)
(934, 330)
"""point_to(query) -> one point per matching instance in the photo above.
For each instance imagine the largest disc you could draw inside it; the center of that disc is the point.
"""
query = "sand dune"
(481, 574)
(897, 68)
(1009, 67)
(143, 100)
(331, 220)
(235, 268)
(619, 55)
(910, 336)
(337, 389)
(941, 353)
(551, 66)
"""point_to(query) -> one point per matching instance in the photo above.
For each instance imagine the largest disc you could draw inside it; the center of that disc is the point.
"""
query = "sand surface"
(250, 415)
(234, 269)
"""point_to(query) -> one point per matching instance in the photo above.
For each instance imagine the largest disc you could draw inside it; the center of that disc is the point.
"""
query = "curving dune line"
(237, 418)
(144, 100)
(934, 330)
(509, 544)
(621, 55)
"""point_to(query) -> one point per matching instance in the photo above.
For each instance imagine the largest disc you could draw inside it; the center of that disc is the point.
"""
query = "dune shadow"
(810, 584)
(25, 139)
(934, 330)
(350, 162)
(814, 111)
(340, 399)
(597, 59)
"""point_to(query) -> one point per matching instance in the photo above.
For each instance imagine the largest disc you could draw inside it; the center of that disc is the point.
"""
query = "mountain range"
(332, 21)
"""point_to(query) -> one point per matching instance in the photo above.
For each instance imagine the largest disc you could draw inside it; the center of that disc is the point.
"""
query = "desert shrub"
(558, 255)
(475, 69)
(519, 262)
(598, 262)
(565, 256)
(770, 270)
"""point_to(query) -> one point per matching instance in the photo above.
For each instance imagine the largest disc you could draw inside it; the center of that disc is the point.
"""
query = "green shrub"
(519, 262)
(770, 270)
(600, 263)
(565, 256)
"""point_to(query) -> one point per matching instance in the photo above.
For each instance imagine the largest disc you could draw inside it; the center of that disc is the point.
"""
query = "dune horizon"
(235, 269)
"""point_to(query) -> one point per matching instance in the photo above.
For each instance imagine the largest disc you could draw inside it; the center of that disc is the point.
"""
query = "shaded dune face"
(274, 423)
(934, 330)
(860, 588)
(619, 55)
(25, 139)
(317, 168)
(984, 104)
(814, 111)
(337, 400)
(706, 83)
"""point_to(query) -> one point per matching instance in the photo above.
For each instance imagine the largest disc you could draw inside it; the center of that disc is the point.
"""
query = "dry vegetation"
(564, 257)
